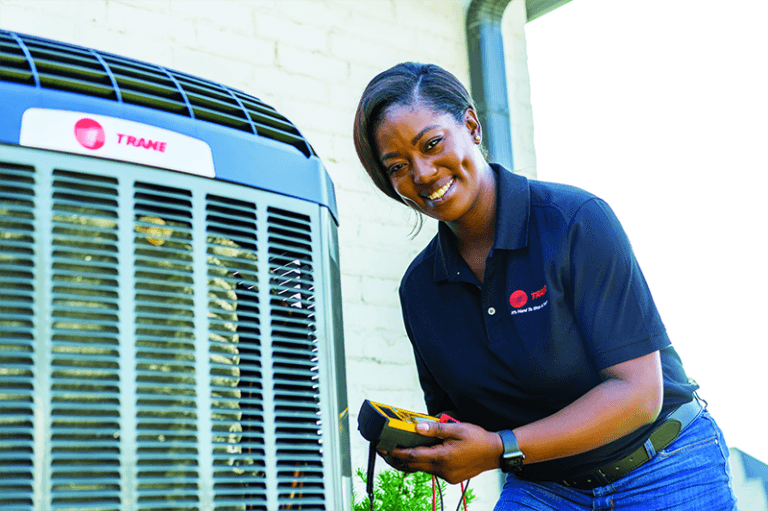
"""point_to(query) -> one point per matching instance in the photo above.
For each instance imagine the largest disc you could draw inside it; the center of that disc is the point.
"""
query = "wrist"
(511, 459)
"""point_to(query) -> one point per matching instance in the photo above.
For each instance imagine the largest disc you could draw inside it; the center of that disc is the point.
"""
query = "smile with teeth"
(438, 194)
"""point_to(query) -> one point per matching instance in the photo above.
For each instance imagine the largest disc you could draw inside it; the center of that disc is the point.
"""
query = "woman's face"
(433, 161)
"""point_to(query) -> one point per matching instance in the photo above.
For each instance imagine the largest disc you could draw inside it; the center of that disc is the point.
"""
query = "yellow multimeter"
(387, 427)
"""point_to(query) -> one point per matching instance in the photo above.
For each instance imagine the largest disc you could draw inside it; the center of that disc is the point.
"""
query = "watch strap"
(512, 457)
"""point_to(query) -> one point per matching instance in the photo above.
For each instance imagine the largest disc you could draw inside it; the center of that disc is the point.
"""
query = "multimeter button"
(491, 311)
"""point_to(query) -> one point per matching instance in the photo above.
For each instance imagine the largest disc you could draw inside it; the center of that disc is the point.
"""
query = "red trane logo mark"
(89, 133)
(518, 299)
(539, 293)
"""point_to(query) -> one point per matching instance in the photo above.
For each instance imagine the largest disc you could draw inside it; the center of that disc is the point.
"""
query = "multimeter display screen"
(389, 411)
(405, 415)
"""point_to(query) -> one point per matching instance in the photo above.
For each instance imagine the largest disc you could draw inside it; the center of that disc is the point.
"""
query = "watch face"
(513, 462)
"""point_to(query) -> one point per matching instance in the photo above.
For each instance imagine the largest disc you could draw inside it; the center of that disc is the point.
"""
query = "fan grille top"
(43, 63)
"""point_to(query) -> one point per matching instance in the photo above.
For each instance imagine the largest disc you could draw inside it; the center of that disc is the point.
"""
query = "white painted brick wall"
(311, 59)
(519, 88)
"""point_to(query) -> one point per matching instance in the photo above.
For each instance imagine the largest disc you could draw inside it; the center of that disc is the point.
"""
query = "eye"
(395, 168)
(432, 143)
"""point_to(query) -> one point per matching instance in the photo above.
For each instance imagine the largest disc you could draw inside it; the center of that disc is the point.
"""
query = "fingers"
(396, 462)
(413, 460)
(439, 430)
(399, 464)
(430, 459)
(465, 451)
(425, 459)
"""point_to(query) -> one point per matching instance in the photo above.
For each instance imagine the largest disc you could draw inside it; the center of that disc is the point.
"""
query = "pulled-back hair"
(408, 83)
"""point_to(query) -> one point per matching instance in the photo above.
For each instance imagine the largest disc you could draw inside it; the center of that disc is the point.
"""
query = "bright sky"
(661, 108)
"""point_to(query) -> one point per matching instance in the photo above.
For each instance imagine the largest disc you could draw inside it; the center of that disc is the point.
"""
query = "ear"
(472, 123)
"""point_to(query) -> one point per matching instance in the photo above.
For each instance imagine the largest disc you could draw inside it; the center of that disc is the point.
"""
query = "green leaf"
(398, 491)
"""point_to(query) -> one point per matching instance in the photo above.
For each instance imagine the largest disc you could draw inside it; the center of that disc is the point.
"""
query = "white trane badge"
(116, 139)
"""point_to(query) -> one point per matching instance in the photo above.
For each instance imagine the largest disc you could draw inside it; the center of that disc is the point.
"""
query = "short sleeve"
(614, 309)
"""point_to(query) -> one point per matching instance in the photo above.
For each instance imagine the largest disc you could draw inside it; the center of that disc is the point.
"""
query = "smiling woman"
(431, 158)
(531, 323)
(418, 136)
(406, 84)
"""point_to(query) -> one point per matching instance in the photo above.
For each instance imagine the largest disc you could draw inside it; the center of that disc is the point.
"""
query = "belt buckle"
(588, 482)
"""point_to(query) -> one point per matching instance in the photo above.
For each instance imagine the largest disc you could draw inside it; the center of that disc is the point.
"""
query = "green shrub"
(397, 491)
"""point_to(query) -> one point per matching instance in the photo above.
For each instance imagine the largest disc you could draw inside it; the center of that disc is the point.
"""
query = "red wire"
(433, 493)
(463, 495)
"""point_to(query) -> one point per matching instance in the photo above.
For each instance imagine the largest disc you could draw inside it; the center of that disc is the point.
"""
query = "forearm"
(629, 397)
(606, 413)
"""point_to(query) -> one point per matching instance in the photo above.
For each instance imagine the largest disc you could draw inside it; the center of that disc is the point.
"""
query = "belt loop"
(649, 449)
(702, 402)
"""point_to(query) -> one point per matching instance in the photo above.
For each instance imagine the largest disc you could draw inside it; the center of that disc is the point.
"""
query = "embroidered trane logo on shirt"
(519, 299)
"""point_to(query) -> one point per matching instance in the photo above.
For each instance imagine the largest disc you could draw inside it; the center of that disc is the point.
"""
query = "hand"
(466, 450)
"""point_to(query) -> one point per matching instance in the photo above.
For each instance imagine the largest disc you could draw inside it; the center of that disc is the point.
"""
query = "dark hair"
(407, 83)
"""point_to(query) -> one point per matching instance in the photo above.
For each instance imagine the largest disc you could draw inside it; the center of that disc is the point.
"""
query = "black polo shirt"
(563, 297)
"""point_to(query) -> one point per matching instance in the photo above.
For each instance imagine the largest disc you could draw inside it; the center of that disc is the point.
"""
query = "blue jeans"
(691, 474)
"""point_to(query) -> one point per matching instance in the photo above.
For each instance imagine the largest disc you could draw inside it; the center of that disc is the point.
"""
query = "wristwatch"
(512, 457)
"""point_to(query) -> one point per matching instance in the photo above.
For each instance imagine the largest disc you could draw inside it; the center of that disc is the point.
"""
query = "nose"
(423, 171)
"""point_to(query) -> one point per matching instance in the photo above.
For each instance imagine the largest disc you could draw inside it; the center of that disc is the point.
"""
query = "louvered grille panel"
(167, 416)
(13, 63)
(85, 384)
(17, 335)
(146, 85)
(71, 68)
(158, 343)
(213, 103)
(294, 348)
(235, 337)
(67, 67)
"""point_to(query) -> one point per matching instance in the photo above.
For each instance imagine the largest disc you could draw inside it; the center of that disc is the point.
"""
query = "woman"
(531, 323)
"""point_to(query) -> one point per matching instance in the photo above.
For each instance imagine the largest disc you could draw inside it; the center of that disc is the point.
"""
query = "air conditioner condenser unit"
(170, 305)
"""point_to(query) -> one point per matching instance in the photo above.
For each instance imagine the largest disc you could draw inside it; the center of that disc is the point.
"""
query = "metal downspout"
(488, 76)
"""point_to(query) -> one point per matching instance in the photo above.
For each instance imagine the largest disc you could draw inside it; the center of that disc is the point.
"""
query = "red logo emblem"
(89, 133)
(518, 299)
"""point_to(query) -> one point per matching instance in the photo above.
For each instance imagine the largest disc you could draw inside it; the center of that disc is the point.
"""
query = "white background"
(661, 108)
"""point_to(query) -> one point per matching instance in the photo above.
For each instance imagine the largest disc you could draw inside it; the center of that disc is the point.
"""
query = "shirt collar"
(513, 206)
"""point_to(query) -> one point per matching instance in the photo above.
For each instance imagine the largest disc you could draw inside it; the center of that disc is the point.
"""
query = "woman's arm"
(629, 397)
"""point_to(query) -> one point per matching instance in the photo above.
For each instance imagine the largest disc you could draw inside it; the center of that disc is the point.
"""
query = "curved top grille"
(49, 64)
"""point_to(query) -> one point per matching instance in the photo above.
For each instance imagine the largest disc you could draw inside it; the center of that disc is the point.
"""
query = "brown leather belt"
(662, 436)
